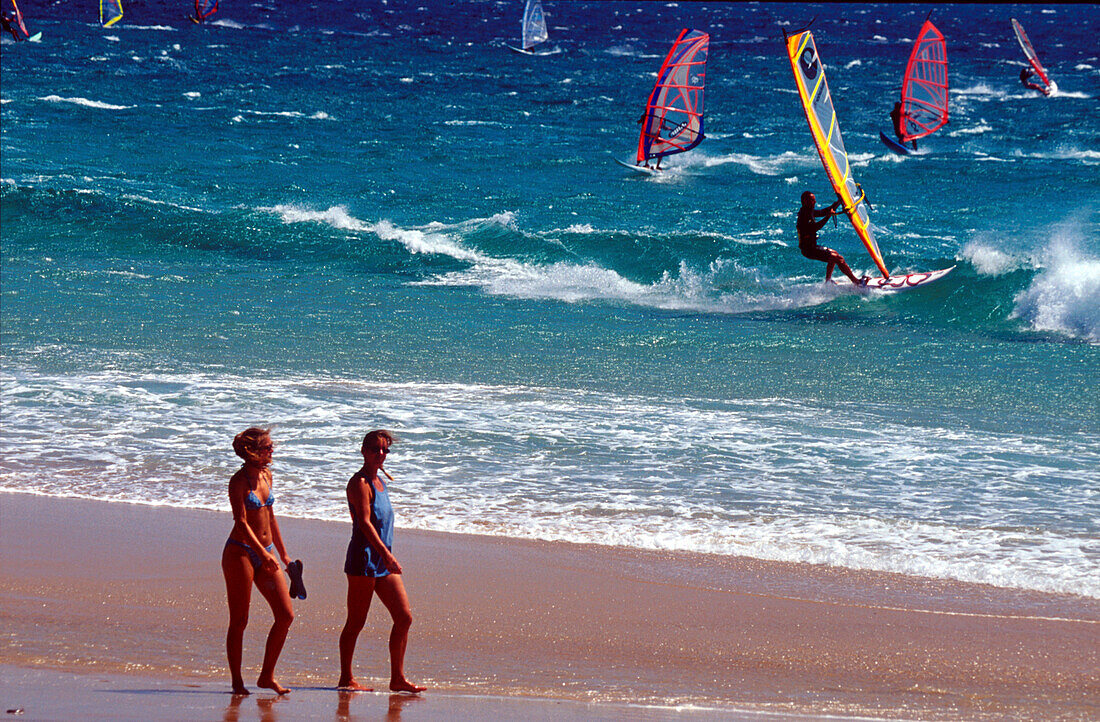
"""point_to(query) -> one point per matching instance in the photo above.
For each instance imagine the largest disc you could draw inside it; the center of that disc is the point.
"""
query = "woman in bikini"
(249, 557)
(372, 568)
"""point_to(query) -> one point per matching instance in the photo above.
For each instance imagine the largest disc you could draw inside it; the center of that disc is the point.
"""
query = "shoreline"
(138, 591)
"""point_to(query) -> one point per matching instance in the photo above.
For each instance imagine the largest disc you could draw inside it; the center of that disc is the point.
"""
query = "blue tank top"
(363, 559)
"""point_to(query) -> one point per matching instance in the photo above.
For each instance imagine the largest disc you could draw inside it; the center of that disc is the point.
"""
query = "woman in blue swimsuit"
(249, 557)
(372, 568)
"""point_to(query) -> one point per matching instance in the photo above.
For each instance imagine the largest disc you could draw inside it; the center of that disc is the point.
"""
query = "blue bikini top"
(253, 502)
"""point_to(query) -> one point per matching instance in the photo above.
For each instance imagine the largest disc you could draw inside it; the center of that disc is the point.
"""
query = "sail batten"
(825, 129)
(673, 118)
(924, 88)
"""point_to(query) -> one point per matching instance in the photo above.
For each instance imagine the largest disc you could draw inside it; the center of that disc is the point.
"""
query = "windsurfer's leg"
(839, 260)
(829, 272)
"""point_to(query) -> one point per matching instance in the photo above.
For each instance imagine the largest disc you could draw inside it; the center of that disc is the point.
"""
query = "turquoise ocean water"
(331, 217)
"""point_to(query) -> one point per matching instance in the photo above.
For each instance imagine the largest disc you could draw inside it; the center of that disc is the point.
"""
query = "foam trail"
(86, 103)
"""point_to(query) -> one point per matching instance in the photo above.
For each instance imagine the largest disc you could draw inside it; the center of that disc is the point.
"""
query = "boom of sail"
(924, 89)
(673, 119)
(813, 91)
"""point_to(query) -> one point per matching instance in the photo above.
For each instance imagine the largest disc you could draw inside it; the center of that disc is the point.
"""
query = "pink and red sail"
(924, 88)
(1029, 51)
(205, 8)
(673, 120)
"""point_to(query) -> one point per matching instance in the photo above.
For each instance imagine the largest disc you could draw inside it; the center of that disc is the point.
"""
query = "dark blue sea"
(327, 217)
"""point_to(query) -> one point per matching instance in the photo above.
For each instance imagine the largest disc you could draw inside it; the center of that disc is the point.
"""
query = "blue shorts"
(363, 561)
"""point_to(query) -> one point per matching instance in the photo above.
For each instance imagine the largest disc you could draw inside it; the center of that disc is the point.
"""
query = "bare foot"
(273, 685)
(353, 686)
(240, 689)
(404, 685)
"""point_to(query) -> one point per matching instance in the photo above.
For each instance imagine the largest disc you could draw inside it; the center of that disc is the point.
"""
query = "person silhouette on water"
(896, 117)
(808, 226)
(1025, 77)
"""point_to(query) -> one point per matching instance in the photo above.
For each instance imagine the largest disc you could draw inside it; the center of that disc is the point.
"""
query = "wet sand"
(507, 628)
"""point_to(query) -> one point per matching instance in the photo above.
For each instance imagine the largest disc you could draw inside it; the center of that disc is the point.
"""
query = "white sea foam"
(990, 261)
(1064, 297)
(587, 467)
(1090, 157)
(85, 102)
(585, 228)
(979, 129)
(192, 94)
(853, 64)
(474, 122)
(761, 165)
(981, 92)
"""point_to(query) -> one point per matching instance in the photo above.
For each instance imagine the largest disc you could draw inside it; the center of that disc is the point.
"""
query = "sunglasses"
(380, 450)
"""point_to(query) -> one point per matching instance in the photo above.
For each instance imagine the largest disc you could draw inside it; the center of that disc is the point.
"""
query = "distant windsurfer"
(808, 226)
(1025, 77)
(10, 24)
(896, 116)
(653, 138)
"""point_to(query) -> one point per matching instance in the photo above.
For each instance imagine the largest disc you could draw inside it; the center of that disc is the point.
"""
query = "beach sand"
(131, 601)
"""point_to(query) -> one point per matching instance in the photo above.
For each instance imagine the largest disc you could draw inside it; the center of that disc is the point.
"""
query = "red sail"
(924, 90)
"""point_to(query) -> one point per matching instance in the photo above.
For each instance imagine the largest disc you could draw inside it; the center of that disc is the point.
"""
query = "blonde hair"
(247, 443)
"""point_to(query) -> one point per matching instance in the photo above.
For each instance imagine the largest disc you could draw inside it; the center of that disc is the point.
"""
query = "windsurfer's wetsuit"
(10, 27)
(808, 226)
(895, 118)
(1025, 78)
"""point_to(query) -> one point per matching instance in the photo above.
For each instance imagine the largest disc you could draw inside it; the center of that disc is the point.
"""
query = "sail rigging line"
(817, 104)
(924, 89)
(673, 118)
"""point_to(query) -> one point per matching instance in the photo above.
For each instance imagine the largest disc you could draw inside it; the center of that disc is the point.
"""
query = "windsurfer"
(1025, 78)
(895, 117)
(808, 226)
(9, 22)
(654, 137)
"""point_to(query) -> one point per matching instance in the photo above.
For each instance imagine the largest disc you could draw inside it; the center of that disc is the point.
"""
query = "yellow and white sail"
(809, 75)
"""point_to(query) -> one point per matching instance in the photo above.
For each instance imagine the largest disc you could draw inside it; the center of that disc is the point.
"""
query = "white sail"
(534, 25)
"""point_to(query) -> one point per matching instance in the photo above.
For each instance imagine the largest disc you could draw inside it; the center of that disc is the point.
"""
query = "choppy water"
(356, 216)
